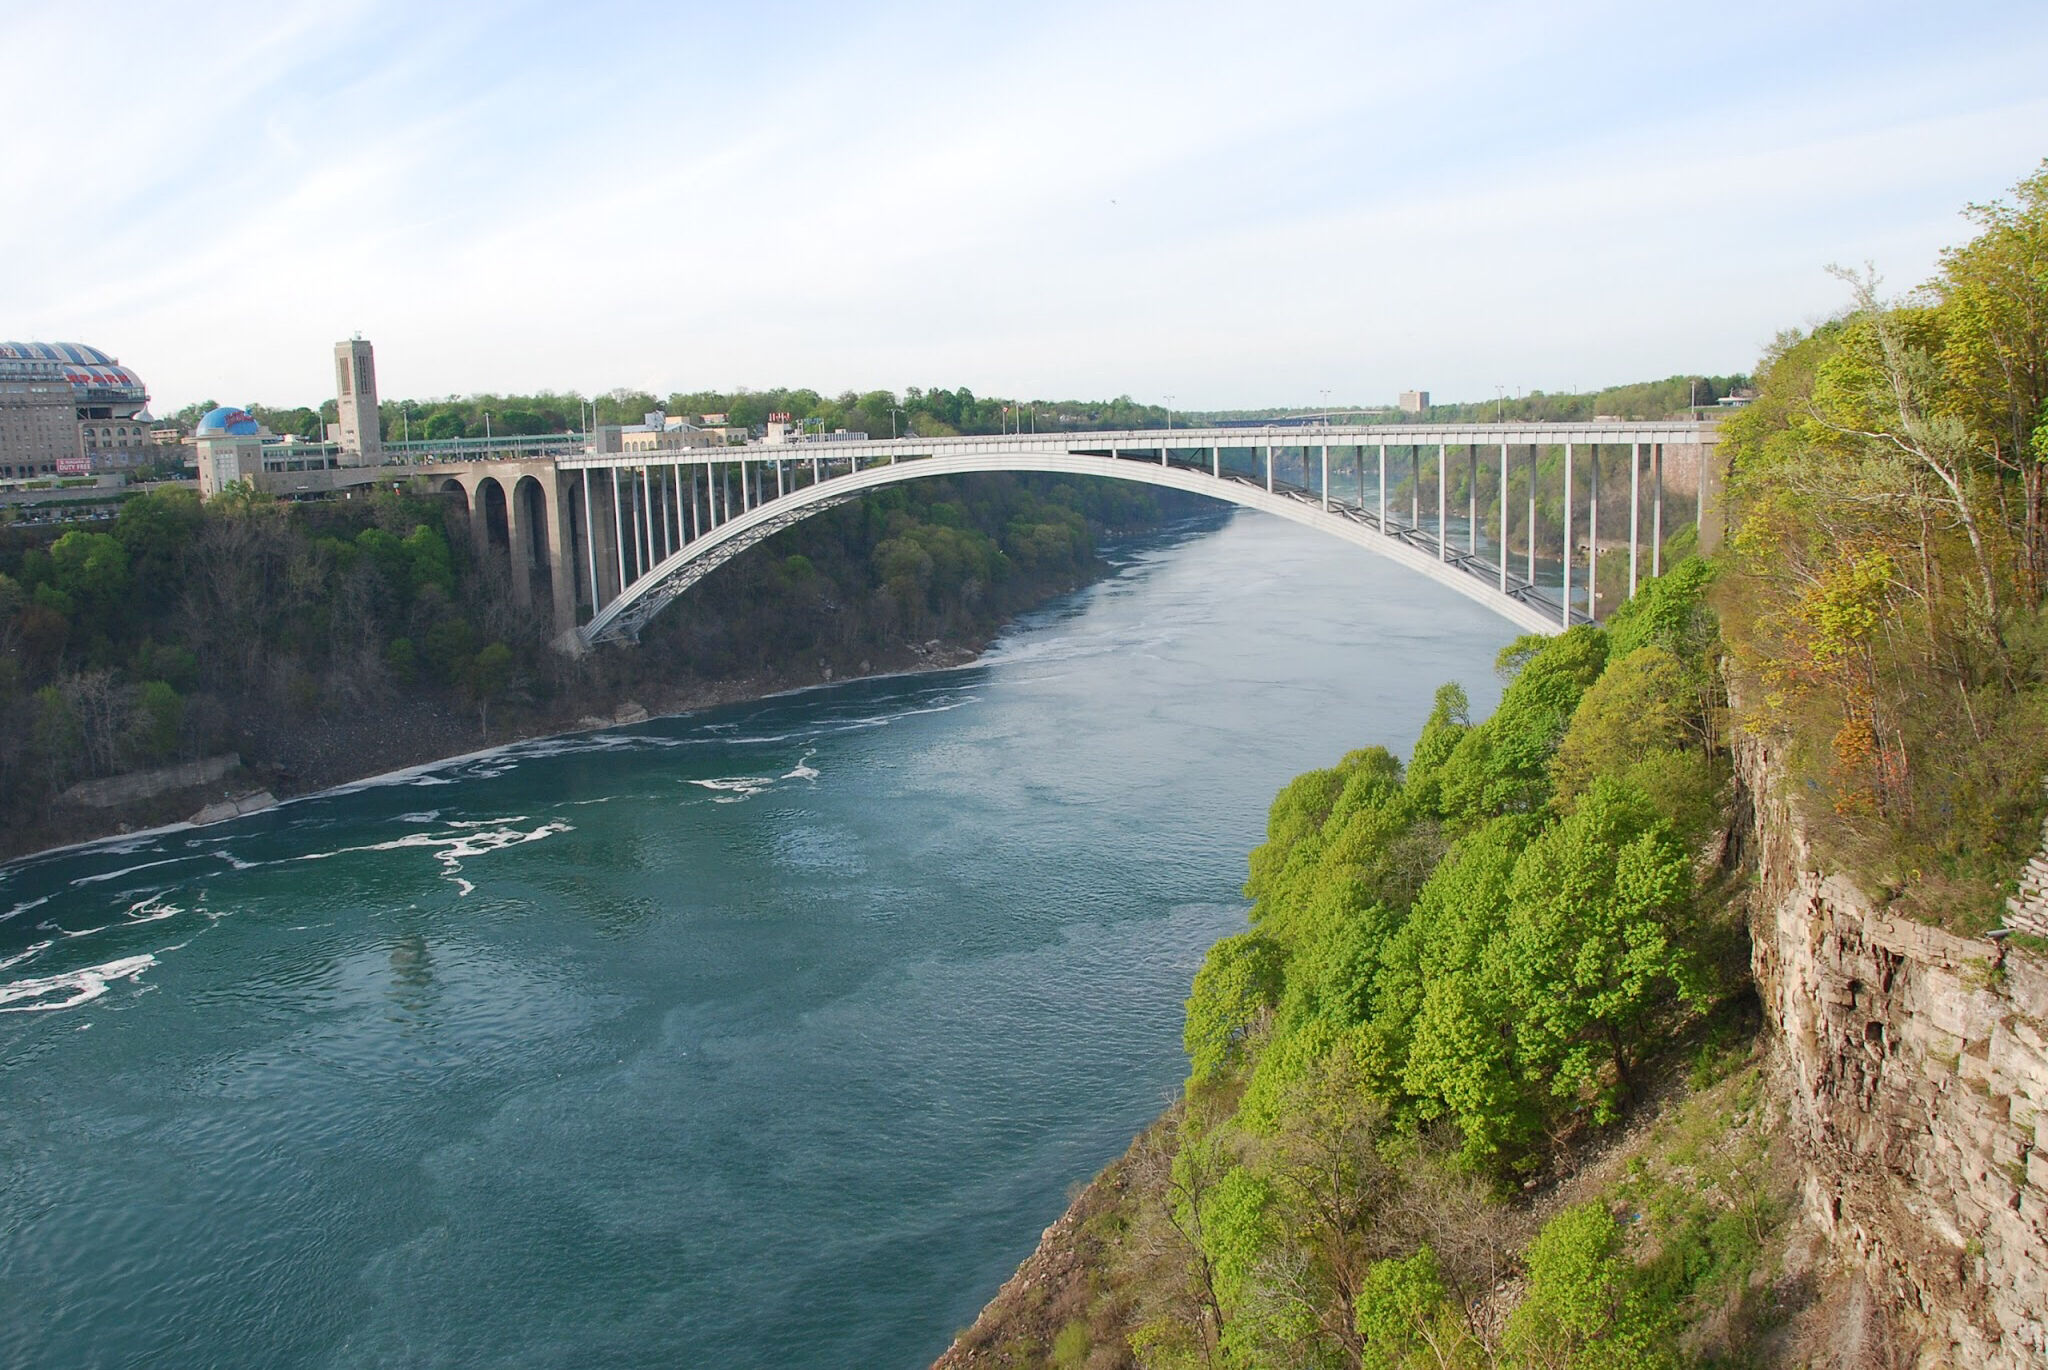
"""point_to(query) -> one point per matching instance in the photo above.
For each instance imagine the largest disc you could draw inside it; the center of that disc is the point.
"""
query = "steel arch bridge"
(654, 523)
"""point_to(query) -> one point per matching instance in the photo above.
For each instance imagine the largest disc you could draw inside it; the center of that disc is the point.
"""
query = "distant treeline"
(939, 412)
(1640, 400)
(878, 413)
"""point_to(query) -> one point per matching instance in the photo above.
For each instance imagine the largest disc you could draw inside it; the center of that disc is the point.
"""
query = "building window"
(341, 376)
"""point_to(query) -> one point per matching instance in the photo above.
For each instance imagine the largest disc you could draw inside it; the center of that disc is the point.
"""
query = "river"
(767, 1036)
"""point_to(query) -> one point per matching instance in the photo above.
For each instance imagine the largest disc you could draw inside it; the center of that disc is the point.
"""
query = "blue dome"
(233, 422)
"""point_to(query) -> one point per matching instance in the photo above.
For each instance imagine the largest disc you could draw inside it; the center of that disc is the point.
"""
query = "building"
(656, 432)
(38, 426)
(71, 403)
(360, 432)
(1415, 401)
(230, 447)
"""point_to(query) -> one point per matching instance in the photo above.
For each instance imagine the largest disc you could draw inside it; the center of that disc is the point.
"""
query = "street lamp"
(406, 405)
(1169, 413)
(893, 412)
(487, 425)
(1326, 406)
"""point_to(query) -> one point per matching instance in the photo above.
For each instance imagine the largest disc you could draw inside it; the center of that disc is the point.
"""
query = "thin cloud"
(1059, 199)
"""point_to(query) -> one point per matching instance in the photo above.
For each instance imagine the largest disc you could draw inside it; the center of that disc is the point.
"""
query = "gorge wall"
(1914, 1065)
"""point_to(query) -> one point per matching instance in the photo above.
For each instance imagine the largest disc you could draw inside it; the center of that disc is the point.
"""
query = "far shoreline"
(681, 704)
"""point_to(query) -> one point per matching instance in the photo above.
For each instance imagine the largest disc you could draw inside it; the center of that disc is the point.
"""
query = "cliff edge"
(1913, 1065)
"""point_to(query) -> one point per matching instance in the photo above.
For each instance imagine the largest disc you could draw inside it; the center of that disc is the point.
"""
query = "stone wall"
(136, 786)
(1915, 1069)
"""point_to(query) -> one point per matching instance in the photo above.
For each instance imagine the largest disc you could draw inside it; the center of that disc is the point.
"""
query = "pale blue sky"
(1232, 204)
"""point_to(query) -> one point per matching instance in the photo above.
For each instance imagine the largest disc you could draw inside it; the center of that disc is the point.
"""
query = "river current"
(766, 1036)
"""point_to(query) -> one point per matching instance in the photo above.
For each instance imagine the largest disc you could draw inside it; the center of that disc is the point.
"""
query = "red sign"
(73, 466)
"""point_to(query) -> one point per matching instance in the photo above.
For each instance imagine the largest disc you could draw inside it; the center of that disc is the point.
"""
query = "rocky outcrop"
(136, 786)
(234, 808)
(1915, 1072)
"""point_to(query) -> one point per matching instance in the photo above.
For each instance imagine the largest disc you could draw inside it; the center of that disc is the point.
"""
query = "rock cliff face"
(1915, 1067)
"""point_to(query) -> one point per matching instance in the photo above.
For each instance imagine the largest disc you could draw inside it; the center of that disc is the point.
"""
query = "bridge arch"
(622, 617)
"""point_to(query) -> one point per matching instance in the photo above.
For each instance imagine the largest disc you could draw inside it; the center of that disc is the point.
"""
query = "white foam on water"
(734, 788)
(27, 953)
(454, 848)
(803, 770)
(423, 816)
(62, 931)
(150, 911)
(104, 876)
(24, 907)
(944, 706)
(237, 862)
(81, 986)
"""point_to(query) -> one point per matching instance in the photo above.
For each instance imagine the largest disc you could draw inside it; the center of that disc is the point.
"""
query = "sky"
(1230, 205)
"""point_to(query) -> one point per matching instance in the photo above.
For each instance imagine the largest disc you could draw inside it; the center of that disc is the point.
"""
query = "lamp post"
(1169, 413)
(893, 412)
(1326, 406)
(407, 407)
(487, 425)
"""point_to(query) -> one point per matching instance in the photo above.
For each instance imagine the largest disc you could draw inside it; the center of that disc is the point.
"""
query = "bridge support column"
(590, 547)
(666, 542)
(615, 528)
(1635, 491)
(1565, 592)
(479, 520)
(1503, 549)
(643, 522)
(561, 557)
(1326, 478)
(519, 537)
(1530, 531)
(1657, 509)
(1383, 487)
(1593, 537)
(1415, 487)
(1472, 499)
(1269, 468)
(1443, 504)
(1216, 461)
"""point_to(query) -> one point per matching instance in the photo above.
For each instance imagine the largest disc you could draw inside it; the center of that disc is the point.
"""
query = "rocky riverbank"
(311, 755)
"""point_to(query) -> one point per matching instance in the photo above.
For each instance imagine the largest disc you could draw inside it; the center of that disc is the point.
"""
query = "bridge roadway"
(622, 534)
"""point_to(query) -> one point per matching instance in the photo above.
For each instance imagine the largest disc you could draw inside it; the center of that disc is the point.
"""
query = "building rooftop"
(233, 422)
(95, 377)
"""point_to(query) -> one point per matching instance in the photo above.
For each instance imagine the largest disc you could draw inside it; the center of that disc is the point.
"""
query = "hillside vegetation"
(323, 640)
(1889, 564)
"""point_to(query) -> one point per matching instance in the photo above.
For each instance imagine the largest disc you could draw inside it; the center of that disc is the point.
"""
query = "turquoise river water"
(769, 1036)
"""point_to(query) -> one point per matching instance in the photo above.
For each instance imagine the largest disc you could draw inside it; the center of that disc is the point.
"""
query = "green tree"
(91, 569)
(487, 677)
(1238, 984)
(1583, 1309)
(1594, 944)
(159, 720)
(1502, 765)
(1407, 1321)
